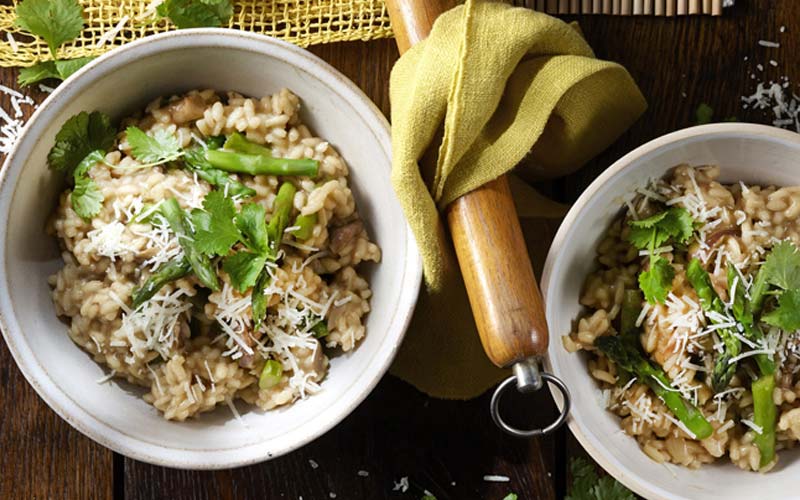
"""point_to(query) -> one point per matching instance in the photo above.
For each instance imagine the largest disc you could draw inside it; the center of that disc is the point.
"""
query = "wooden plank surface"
(398, 432)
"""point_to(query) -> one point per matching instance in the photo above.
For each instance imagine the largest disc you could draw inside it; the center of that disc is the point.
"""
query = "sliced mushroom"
(342, 236)
(187, 109)
(717, 235)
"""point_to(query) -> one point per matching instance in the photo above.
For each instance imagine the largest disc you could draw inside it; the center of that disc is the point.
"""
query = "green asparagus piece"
(765, 414)
(237, 142)
(258, 300)
(628, 358)
(281, 210)
(260, 165)
(270, 375)
(764, 409)
(744, 315)
(632, 301)
(305, 225)
(195, 160)
(709, 300)
(169, 271)
(201, 265)
(320, 329)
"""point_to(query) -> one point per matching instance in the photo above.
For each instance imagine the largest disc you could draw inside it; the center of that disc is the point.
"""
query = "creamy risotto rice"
(691, 327)
(193, 342)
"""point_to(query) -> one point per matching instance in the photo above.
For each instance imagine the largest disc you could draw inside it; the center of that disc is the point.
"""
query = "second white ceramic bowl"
(126, 80)
(755, 154)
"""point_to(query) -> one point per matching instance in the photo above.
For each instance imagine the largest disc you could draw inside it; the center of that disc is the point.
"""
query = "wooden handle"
(491, 251)
(497, 271)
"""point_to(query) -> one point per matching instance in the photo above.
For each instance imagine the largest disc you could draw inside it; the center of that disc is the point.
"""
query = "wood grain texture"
(412, 19)
(494, 262)
(677, 62)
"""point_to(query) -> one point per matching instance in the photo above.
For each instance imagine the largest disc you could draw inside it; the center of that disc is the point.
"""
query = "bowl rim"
(158, 454)
(609, 462)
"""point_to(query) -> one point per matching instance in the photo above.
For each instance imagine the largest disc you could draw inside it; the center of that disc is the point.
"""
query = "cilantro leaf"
(86, 198)
(215, 229)
(782, 266)
(587, 486)
(656, 282)
(654, 231)
(252, 222)
(511, 496)
(196, 13)
(678, 224)
(79, 136)
(160, 147)
(60, 70)
(244, 268)
(787, 315)
(56, 21)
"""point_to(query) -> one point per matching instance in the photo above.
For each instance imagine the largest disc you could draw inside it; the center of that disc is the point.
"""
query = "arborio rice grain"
(192, 368)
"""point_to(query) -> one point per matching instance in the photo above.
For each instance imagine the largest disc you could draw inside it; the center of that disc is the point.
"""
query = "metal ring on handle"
(528, 388)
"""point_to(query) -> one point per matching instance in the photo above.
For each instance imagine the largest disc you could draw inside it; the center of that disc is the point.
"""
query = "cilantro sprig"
(586, 485)
(60, 69)
(55, 21)
(779, 276)
(86, 198)
(79, 136)
(156, 149)
(197, 13)
(674, 224)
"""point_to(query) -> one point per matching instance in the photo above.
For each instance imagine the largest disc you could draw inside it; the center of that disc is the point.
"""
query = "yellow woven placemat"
(303, 22)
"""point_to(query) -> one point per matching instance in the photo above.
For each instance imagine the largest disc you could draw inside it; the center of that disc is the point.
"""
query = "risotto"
(212, 250)
(693, 319)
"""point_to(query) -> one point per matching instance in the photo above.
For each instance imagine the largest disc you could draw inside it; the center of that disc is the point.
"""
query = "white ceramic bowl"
(755, 154)
(119, 83)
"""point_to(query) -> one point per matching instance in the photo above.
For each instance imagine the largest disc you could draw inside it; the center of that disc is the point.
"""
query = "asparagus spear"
(305, 225)
(169, 271)
(195, 160)
(201, 265)
(631, 308)
(764, 409)
(237, 142)
(743, 313)
(258, 300)
(281, 210)
(709, 300)
(764, 415)
(259, 164)
(628, 358)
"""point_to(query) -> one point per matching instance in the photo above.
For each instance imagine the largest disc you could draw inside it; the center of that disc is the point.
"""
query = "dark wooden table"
(445, 447)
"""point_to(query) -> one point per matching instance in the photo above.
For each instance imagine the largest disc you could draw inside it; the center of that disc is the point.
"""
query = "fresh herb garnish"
(79, 136)
(178, 220)
(703, 114)
(151, 150)
(55, 21)
(58, 69)
(86, 198)
(197, 13)
(215, 228)
(510, 496)
(673, 224)
(587, 486)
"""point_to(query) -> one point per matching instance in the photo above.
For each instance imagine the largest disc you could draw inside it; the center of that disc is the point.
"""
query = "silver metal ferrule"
(527, 374)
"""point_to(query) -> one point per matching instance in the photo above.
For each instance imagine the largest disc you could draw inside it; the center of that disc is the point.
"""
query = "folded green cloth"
(493, 85)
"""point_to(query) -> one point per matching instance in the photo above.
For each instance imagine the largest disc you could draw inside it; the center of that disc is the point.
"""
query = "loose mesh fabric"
(302, 22)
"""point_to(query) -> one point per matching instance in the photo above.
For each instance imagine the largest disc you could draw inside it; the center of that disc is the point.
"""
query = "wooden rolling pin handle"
(502, 289)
